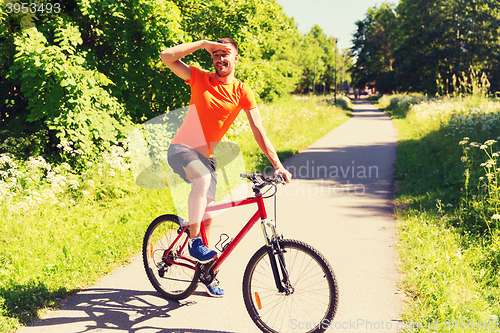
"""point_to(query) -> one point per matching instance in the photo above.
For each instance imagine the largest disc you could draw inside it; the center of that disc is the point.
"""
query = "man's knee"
(202, 182)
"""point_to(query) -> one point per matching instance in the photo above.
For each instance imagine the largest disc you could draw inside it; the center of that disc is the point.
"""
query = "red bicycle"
(287, 285)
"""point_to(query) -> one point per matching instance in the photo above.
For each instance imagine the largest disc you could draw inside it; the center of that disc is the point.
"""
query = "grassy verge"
(62, 229)
(448, 210)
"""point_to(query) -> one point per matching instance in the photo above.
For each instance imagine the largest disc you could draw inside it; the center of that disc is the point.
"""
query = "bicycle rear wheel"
(312, 303)
(167, 268)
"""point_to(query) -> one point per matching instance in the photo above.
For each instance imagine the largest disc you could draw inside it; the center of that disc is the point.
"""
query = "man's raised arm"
(172, 56)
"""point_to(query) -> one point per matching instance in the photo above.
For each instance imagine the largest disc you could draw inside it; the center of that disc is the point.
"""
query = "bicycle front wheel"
(164, 255)
(312, 300)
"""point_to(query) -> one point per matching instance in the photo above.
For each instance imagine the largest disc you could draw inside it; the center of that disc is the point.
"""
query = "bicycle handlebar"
(255, 177)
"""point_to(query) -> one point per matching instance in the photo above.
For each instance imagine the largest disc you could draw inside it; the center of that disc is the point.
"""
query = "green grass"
(63, 229)
(449, 235)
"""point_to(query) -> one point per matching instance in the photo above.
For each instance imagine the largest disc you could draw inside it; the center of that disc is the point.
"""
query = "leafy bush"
(269, 79)
(62, 95)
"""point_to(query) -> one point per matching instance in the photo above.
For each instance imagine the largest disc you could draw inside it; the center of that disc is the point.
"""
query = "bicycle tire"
(313, 304)
(177, 282)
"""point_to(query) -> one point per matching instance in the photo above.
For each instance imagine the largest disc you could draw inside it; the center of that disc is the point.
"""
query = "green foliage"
(86, 74)
(373, 45)
(123, 40)
(62, 96)
(446, 38)
(426, 46)
(448, 204)
(269, 79)
(398, 106)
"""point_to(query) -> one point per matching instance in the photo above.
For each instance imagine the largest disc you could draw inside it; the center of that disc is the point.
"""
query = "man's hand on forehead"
(213, 47)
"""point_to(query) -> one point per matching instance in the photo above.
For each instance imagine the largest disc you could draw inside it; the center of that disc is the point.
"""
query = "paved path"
(339, 202)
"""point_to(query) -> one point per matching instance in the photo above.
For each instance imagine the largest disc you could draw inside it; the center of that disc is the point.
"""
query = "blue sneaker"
(213, 289)
(200, 252)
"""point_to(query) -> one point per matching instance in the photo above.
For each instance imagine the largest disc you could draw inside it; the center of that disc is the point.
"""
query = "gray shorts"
(179, 156)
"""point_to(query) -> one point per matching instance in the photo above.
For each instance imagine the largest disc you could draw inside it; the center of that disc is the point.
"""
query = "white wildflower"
(495, 217)
(73, 184)
(483, 147)
(490, 164)
(66, 166)
(490, 142)
(90, 183)
(48, 194)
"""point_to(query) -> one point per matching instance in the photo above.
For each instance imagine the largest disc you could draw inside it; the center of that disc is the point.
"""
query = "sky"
(337, 18)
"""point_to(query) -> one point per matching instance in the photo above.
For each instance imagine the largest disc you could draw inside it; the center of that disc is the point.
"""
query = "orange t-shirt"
(212, 110)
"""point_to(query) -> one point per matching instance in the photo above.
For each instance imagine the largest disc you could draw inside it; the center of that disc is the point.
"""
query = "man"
(216, 100)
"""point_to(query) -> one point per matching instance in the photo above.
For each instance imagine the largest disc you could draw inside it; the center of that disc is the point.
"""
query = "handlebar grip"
(252, 175)
(281, 178)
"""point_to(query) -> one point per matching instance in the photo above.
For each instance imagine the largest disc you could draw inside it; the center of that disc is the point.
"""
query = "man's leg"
(199, 176)
(207, 221)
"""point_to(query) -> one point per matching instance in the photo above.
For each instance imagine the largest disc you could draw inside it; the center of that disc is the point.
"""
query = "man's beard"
(224, 71)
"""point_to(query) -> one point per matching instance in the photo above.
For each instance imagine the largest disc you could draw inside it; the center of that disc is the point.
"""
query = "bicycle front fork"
(275, 251)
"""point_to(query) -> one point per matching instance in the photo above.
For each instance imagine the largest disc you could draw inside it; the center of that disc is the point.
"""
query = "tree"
(373, 46)
(444, 39)
(91, 71)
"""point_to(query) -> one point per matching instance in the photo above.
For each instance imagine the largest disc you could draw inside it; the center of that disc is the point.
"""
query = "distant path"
(339, 202)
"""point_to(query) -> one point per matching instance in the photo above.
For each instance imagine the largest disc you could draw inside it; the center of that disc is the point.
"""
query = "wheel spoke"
(314, 295)
(171, 278)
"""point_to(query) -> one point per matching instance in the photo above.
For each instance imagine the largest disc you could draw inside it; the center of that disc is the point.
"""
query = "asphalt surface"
(339, 202)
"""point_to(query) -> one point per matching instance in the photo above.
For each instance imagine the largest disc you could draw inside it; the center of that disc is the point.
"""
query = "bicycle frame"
(260, 214)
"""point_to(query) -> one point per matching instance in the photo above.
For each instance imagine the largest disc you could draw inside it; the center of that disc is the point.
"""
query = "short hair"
(228, 40)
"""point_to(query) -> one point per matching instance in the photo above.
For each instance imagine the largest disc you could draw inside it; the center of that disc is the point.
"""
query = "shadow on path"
(108, 309)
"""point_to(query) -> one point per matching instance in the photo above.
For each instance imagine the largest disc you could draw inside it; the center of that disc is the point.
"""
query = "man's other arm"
(264, 143)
